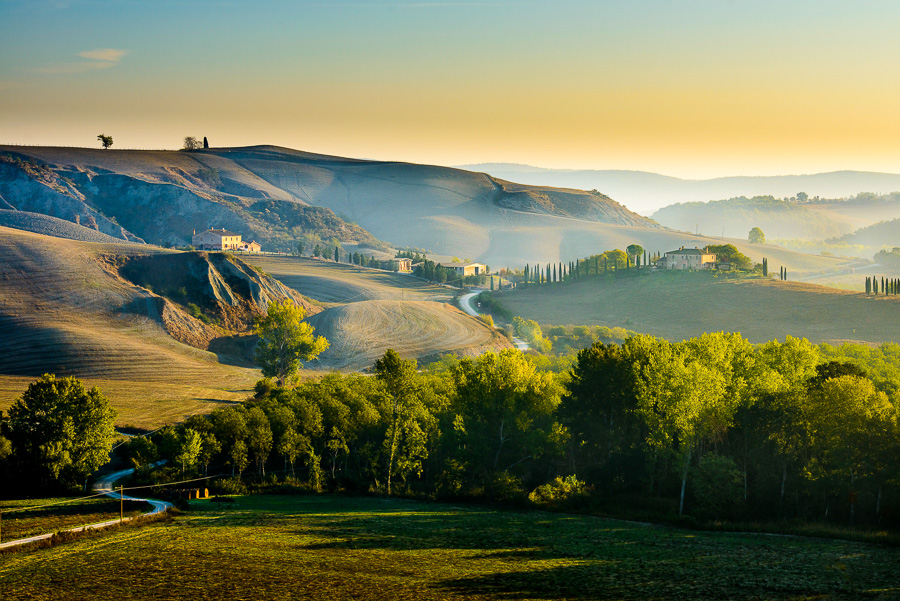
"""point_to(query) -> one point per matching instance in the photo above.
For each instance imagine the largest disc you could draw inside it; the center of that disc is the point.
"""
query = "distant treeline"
(620, 263)
(713, 427)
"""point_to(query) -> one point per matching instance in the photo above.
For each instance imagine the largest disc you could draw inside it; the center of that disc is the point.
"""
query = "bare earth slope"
(684, 305)
(62, 312)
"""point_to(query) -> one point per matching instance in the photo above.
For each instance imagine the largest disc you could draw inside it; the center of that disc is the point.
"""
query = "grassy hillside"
(370, 311)
(62, 312)
(331, 547)
(676, 306)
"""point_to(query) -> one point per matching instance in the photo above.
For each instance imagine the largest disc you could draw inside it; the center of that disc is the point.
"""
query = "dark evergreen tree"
(205, 142)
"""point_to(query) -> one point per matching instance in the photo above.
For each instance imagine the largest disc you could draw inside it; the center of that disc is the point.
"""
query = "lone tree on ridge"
(757, 236)
(191, 143)
(105, 140)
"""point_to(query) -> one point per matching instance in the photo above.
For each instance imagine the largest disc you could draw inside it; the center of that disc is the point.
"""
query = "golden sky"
(687, 88)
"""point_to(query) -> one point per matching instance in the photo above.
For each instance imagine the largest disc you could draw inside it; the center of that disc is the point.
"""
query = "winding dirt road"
(105, 486)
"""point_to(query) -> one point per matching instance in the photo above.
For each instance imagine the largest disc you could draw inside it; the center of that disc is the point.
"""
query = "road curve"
(465, 303)
(105, 486)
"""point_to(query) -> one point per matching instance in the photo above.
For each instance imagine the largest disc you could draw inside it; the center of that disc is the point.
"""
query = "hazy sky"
(689, 88)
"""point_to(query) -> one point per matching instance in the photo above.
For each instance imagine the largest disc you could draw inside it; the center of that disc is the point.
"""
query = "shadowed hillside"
(277, 195)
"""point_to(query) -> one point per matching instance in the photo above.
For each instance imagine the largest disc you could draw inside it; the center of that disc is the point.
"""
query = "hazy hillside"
(735, 217)
(646, 192)
(276, 195)
(885, 233)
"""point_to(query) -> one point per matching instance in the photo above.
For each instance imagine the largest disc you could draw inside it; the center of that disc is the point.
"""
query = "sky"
(693, 89)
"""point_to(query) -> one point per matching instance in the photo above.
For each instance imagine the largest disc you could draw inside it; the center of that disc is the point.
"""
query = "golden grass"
(63, 314)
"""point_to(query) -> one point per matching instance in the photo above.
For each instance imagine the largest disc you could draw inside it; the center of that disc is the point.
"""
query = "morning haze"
(261, 339)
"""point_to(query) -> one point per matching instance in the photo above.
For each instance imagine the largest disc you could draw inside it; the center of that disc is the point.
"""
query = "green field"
(30, 517)
(678, 306)
(332, 547)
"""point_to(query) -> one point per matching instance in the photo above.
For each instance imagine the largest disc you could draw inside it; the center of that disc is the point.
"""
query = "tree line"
(713, 427)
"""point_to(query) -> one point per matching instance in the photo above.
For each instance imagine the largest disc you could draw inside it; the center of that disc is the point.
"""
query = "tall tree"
(59, 431)
(285, 339)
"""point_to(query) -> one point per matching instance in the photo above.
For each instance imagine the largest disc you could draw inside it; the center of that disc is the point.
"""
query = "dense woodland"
(712, 428)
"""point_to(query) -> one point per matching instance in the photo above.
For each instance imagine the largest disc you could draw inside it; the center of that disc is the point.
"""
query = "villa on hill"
(213, 239)
(464, 269)
(687, 258)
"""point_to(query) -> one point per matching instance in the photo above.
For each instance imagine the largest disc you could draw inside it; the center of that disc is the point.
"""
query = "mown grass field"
(332, 547)
(61, 313)
(330, 282)
(30, 517)
(677, 306)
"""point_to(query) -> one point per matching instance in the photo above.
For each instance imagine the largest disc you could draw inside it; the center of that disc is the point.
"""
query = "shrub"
(505, 488)
(561, 492)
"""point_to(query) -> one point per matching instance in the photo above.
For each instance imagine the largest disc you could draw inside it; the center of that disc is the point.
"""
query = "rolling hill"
(272, 194)
(677, 306)
(63, 311)
(278, 195)
(165, 334)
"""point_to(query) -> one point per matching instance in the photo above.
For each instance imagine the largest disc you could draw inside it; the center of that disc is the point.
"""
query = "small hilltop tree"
(105, 140)
(284, 340)
(191, 143)
(756, 236)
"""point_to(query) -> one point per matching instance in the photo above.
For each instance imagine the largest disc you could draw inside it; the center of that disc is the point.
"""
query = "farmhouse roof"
(454, 265)
(688, 251)
(221, 232)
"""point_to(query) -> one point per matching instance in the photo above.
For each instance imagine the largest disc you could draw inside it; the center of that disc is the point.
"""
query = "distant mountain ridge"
(645, 192)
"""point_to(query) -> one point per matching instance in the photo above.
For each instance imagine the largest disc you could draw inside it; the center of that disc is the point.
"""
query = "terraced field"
(61, 313)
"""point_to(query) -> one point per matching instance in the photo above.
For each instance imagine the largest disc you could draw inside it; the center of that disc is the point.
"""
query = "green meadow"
(335, 547)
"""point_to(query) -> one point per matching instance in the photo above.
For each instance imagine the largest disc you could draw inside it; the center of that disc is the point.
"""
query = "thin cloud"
(101, 58)
(103, 54)
(69, 68)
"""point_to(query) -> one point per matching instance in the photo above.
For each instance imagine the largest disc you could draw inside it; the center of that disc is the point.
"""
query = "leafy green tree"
(191, 143)
(284, 340)
(506, 409)
(598, 411)
(409, 419)
(59, 431)
(105, 140)
(635, 251)
(191, 446)
(756, 236)
(239, 457)
(259, 438)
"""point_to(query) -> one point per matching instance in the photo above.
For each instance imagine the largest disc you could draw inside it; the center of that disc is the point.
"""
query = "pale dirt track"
(361, 332)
